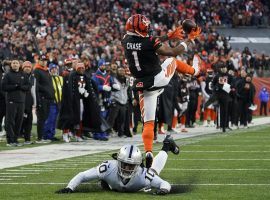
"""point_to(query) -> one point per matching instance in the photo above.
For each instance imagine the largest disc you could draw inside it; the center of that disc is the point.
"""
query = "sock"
(174, 121)
(183, 119)
(148, 135)
(159, 162)
(205, 114)
(184, 68)
(213, 114)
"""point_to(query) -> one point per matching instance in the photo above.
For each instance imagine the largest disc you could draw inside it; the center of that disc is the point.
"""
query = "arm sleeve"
(33, 93)
(6, 86)
(155, 42)
(85, 176)
(203, 84)
(159, 183)
(26, 86)
(40, 88)
(98, 86)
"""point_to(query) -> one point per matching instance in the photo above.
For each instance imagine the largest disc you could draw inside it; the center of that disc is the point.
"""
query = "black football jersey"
(141, 56)
(209, 85)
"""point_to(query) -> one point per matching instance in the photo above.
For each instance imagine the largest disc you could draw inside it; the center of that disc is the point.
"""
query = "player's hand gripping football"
(178, 33)
(195, 33)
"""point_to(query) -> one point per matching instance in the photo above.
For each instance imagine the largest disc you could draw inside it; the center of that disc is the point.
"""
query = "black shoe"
(148, 159)
(172, 146)
(55, 139)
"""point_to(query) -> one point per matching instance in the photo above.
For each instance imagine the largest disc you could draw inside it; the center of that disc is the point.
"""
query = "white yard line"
(165, 169)
(13, 176)
(19, 173)
(5, 179)
(29, 170)
(51, 168)
(209, 169)
(223, 159)
(184, 184)
(229, 145)
(225, 151)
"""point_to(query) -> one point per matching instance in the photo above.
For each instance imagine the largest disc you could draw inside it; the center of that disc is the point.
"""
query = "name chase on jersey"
(134, 46)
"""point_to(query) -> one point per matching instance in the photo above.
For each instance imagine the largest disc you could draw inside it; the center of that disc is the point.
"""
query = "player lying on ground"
(127, 173)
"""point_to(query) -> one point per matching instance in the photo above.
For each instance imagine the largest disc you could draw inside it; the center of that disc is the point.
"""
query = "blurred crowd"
(93, 29)
(74, 49)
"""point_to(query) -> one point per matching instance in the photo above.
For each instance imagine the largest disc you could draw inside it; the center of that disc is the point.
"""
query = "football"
(188, 25)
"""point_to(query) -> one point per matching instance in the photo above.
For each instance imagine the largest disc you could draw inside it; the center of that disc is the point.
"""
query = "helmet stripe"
(133, 23)
(130, 151)
(139, 21)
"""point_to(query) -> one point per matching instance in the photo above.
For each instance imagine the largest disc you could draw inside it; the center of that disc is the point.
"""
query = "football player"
(207, 90)
(126, 172)
(141, 53)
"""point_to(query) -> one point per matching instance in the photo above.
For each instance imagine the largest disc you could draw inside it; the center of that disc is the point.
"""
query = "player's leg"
(170, 65)
(148, 104)
(184, 68)
(161, 158)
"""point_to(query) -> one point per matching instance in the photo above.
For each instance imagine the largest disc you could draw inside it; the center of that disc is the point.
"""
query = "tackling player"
(126, 173)
(141, 52)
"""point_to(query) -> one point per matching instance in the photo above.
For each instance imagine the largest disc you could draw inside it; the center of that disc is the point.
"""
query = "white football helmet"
(129, 159)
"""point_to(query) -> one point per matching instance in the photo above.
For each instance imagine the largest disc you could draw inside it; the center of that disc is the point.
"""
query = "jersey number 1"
(136, 59)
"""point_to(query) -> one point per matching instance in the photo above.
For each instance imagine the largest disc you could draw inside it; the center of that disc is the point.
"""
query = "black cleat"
(172, 146)
(148, 159)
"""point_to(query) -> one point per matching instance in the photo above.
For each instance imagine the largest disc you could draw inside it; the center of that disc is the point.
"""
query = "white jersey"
(108, 172)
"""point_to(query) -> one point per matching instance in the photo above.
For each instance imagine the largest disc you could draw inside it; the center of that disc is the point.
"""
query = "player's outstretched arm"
(85, 176)
(162, 186)
(165, 50)
(177, 34)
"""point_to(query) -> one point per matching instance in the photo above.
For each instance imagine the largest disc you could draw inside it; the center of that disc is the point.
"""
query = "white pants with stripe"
(148, 99)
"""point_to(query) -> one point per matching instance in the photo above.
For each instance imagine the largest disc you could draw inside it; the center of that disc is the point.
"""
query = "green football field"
(235, 165)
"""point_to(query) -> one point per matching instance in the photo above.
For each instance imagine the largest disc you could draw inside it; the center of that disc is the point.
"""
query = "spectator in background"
(44, 94)
(50, 123)
(117, 112)
(235, 61)
(83, 113)
(246, 94)
(15, 84)
(104, 84)
(2, 100)
(194, 89)
(30, 103)
(64, 123)
(264, 99)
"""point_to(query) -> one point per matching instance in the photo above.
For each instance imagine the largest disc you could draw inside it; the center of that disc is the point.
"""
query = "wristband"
(184, 45)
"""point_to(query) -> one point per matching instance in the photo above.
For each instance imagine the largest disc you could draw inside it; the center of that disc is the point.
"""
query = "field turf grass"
(235, 165)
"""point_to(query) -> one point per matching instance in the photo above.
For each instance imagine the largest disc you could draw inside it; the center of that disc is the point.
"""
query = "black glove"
(161, 192)
(64, 190)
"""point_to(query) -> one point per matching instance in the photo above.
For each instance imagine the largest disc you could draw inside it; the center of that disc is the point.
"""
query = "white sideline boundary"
(165, 169)
(184, 184)
(52, 152)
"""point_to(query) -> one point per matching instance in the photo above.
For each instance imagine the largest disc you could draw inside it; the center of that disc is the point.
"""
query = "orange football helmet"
(138, 24)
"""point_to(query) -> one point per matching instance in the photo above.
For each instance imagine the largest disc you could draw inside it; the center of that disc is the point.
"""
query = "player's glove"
(161, 191)
(195, 33)
(116, 86)
(64, 190)
(85, 94)
(106, 88)
(178, 33)
(81, 90)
